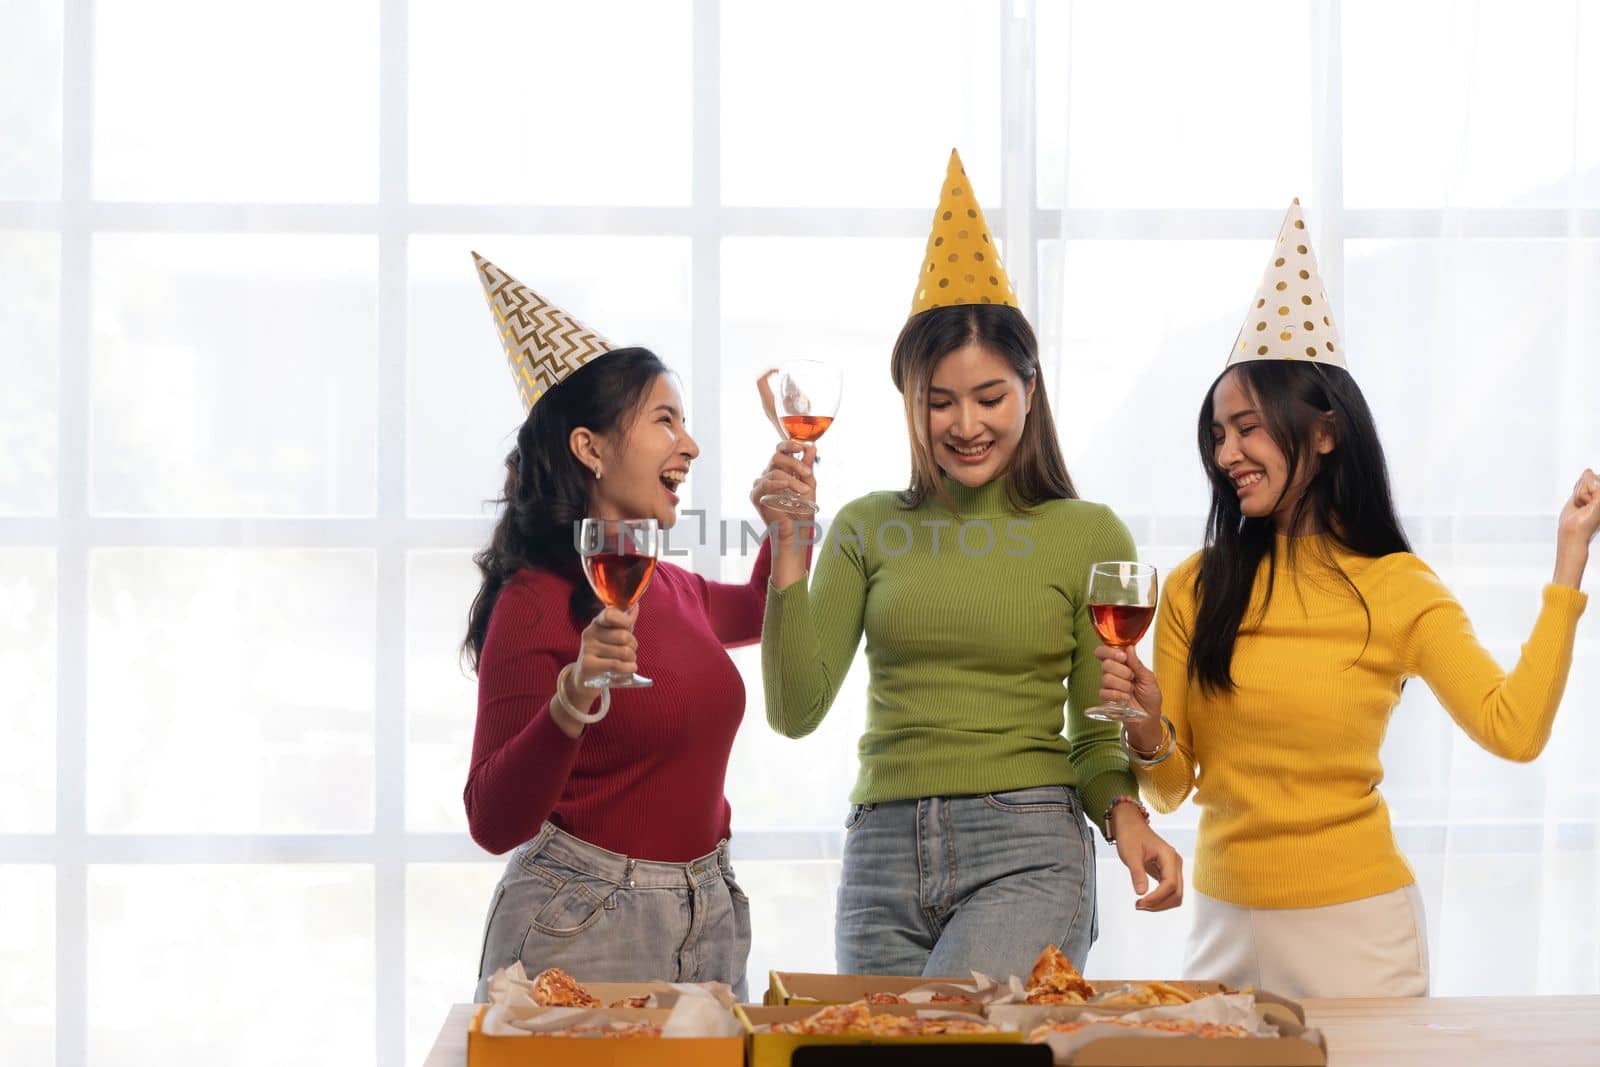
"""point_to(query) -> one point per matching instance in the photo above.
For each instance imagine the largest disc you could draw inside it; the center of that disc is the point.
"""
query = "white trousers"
(1376, 947)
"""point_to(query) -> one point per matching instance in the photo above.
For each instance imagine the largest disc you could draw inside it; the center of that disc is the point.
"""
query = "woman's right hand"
(1124, 677)
(608, 644)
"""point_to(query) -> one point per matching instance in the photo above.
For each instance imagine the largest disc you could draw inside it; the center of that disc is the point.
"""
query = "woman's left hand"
(1147, 856)
(1575, 528)
(1580, 515)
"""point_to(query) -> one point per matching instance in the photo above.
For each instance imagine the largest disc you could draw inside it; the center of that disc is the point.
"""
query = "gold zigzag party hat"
(961, 265)
(544, 344)
(1290, 317)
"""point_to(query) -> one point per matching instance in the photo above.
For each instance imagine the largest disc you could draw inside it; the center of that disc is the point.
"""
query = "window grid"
(389, 725)
(390, 848)
(72, 545)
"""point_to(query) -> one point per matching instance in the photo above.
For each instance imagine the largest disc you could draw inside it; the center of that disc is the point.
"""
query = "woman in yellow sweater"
(1280, 651)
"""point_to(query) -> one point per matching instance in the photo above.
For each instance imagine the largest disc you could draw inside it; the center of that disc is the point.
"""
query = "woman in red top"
(612, 804)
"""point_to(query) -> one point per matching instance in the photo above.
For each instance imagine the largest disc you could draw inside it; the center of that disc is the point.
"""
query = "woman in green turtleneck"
(968, 846)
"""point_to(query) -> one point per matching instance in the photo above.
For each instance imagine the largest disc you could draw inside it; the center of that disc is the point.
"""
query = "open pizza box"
(486, 1049)
(798, 987)
(513, 984)
(690, 1024)
(1294, 1045)
(775, 1050)
(1197, 990)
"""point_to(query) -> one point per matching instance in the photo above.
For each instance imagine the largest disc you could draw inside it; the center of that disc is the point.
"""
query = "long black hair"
(1347, 497)
(1037, 472)
(547, 489)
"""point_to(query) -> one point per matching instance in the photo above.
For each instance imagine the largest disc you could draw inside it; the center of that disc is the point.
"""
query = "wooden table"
(1444, 1031)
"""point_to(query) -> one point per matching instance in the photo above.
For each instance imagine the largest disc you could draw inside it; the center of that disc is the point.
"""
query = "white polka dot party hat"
(1290, 317)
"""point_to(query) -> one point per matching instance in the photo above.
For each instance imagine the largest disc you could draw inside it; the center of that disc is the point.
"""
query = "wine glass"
(619, 559)
(808, 397)
(1122, 601)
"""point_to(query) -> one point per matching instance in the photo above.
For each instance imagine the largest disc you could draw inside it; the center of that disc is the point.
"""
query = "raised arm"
(811, 633)
(1511, 714)
(734, 610)
(1508, 714)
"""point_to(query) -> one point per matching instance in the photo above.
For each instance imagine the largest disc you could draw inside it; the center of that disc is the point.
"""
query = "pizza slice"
(925, 1027)
(1151, 994)
(555, 988)
(834, 1019)
(1054, 980)
(642, 1001)
(1134, 995)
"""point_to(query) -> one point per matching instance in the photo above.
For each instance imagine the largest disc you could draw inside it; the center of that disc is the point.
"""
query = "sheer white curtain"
(1449, 159)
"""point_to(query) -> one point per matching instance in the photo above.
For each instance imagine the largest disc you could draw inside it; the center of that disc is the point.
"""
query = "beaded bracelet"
(1143, 811)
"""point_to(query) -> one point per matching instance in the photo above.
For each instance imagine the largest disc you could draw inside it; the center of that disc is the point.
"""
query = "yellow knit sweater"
(1285, 768)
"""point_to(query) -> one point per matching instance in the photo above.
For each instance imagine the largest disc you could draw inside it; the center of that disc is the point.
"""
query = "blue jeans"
(601, 917)
(946, 885)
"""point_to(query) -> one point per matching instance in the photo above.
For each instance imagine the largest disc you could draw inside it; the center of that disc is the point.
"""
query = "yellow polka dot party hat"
(961, 265)
(1290, 317)
(544, 344)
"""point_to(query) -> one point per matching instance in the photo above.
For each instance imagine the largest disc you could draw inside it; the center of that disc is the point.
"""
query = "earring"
(597, 474)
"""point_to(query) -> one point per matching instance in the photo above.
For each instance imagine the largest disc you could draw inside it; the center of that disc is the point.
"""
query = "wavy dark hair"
(1347, 497)
(547, 489)
(1037, 472)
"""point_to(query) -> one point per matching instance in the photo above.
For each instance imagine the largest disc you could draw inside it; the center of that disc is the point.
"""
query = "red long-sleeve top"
(647, 780)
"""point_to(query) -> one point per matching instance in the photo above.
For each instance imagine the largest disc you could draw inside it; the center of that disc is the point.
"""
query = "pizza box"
(797, 987)
(775, 1050)
(1296, 1046)
(538, 1050)
(1198, 989)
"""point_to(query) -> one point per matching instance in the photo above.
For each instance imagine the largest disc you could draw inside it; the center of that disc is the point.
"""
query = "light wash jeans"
(602, 917)
(946, 885)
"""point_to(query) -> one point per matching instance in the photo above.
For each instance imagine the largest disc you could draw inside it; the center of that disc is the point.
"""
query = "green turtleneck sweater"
(973, 622)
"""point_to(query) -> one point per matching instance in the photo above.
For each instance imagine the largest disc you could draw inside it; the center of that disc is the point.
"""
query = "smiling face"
(977, 409)
(1246, 452)
(643, 462)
